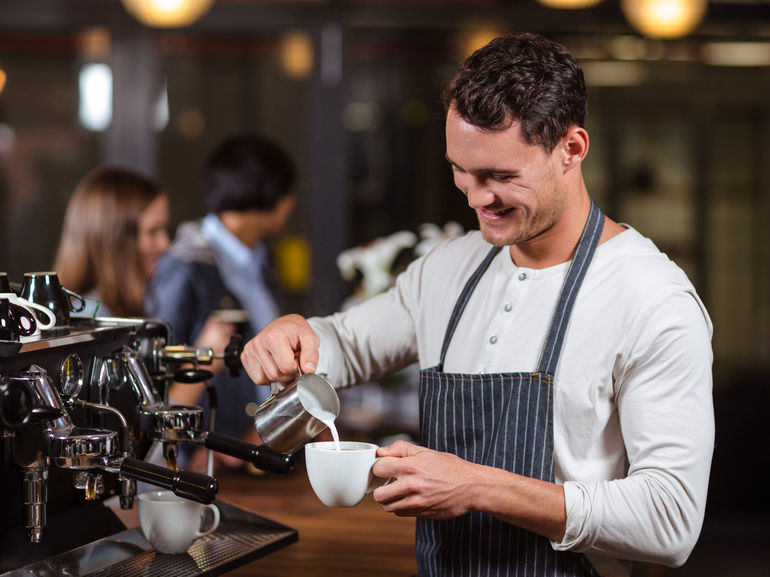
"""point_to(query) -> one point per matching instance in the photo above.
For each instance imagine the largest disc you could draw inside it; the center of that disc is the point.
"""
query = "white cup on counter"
(340, 478)
(171, 523)
(45, 317)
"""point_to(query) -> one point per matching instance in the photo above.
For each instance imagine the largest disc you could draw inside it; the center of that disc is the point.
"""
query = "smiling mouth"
(494, 214)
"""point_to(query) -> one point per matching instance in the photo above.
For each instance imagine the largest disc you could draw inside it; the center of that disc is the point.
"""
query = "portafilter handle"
(258, 455)
(186, 484)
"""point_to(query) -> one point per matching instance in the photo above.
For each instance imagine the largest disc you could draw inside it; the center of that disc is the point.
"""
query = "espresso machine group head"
(153, 362)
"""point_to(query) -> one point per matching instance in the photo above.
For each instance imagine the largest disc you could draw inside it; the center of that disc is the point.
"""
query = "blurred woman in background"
(115, 229)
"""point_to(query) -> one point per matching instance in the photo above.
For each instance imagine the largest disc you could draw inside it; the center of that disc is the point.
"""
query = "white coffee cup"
(40, 312)
(340, 478)
(171, 523)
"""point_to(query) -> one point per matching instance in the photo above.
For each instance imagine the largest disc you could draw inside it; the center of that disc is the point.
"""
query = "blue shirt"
(242, 270)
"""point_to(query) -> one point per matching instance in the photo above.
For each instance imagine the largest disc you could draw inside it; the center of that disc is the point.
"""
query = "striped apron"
(502, 420)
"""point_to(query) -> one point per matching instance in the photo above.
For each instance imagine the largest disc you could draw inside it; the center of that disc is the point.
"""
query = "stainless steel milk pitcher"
(295, 415)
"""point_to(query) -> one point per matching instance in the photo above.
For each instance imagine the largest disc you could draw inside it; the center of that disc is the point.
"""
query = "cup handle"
(375, 481)
(45, 310)
(19, 313)
(214, 523)
(79, 299)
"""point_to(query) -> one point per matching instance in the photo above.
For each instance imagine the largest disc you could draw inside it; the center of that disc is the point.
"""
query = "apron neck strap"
(589, 240)
(463, 300)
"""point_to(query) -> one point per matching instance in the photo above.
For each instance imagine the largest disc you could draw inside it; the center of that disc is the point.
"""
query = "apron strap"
(463, 300)
(589, 240)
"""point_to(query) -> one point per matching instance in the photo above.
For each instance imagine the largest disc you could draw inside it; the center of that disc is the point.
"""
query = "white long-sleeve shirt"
(633, 411)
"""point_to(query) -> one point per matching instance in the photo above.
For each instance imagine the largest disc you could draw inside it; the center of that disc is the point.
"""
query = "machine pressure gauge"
(71, 375)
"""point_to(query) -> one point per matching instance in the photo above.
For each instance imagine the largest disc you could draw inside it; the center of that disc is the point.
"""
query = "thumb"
(308, 361)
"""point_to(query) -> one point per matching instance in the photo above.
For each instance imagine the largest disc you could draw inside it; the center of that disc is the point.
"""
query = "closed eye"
(497, 177)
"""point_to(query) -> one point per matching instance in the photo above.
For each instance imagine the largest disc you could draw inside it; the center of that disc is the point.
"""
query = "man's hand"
(426, 483)
(276, 352)
(436, 485)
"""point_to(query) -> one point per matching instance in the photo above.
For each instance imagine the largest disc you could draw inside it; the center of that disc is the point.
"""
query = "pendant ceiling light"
(569, 3)
(167, 13)
(664, 18)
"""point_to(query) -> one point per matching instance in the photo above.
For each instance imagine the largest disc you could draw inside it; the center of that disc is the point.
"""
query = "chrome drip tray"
(240, 538)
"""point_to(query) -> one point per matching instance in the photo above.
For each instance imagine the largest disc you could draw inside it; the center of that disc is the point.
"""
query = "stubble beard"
(527, 228)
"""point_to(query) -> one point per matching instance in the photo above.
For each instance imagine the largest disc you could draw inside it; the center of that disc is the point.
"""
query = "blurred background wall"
(351, 88)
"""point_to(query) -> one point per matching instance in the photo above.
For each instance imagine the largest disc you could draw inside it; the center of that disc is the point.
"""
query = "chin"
(497, 236)
(494, 239)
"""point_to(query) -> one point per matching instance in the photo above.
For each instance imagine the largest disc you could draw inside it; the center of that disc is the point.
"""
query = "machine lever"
(232, 355)
(258, 455)
(187, 484)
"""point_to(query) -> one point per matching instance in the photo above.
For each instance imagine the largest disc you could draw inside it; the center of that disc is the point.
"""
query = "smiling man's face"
(512, 186)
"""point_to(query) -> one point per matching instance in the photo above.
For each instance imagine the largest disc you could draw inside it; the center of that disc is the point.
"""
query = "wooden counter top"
(362, 540)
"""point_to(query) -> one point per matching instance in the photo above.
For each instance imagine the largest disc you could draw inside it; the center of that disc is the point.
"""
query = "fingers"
(272, 354)
(400, 449)
(427, 483)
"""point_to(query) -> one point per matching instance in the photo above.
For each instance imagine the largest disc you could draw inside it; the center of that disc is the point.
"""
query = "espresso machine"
(82, 407)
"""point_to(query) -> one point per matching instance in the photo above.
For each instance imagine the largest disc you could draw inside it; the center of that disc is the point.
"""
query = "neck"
(556, 244)
(242, 226)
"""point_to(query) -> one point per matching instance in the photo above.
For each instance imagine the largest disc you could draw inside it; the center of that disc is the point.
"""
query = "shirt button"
(508, 307)
(492, 340)
(522, 276)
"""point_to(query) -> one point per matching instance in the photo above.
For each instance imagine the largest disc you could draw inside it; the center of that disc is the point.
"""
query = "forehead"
(474, 148)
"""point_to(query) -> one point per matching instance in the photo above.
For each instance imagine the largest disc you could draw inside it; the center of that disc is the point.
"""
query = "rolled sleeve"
(664, 400)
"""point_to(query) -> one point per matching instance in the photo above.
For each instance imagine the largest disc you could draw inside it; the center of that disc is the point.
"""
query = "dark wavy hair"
(246, 172)
(525, 78)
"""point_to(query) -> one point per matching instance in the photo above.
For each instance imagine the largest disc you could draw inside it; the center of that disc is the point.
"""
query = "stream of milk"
(313, 406)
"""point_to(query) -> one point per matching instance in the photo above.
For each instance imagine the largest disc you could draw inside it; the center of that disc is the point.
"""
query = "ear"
(574, 147)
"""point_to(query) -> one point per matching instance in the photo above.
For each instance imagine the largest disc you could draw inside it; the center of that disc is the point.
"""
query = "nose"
(475, 190)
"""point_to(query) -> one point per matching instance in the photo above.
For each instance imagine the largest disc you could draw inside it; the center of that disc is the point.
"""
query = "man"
(565, 391)
(219, 263)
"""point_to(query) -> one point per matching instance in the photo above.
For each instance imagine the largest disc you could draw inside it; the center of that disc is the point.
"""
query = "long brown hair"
(99, 246)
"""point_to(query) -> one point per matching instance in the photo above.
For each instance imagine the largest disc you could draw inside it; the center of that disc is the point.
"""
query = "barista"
(565, 393)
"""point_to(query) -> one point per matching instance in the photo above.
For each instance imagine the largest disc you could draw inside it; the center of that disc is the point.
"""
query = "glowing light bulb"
(167, 13)
(664, 18)
(569, 4)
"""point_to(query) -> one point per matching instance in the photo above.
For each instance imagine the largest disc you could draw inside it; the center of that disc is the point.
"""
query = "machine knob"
(233, 355)
(192, 375)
